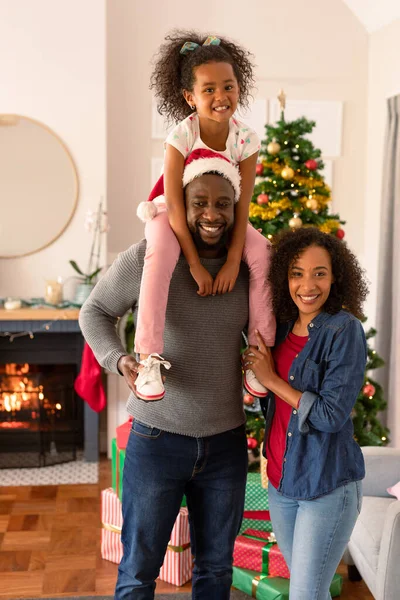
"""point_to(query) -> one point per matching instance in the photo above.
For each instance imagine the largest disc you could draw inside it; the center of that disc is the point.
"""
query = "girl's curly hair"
(349, 289)
(174, 72)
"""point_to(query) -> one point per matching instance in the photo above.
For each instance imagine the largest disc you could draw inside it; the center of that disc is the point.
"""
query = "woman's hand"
(260, 361)
(226, 277)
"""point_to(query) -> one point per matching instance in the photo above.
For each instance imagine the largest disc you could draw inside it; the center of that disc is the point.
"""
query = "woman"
(314, 375)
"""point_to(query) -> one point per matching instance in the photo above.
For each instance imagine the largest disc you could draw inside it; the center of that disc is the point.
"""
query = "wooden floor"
(50, 544)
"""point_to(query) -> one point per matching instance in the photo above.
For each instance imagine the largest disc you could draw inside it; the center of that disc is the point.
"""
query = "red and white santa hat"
(199, 162)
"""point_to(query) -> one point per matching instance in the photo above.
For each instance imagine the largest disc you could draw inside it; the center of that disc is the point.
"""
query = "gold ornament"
(273, 147)
(312, 204)
(295, 223)
(287, 173)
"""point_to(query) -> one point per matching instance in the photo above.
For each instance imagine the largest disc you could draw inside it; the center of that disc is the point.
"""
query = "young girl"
(314, 375)
(201, 80)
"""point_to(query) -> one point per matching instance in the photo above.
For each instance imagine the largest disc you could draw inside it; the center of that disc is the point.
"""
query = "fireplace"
(41, 424)
(42, 420)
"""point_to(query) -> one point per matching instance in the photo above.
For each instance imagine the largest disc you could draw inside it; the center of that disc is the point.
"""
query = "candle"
(12, 304)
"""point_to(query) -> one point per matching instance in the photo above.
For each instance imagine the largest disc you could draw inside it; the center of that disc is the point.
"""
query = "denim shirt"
(321, 453)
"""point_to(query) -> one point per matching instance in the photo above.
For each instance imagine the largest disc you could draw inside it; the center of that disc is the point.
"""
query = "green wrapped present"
(256, 496)
(263, 587)
(255, 524)
(117, 469)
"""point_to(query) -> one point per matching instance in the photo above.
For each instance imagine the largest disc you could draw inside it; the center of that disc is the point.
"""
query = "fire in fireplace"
(40, 422)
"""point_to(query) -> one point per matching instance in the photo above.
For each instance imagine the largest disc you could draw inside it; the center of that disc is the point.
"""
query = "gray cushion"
(382, 470)
(367, 533)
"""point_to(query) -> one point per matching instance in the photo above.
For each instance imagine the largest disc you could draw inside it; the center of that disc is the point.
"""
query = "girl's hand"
(260, 361)
(226, 277)
(203, 279)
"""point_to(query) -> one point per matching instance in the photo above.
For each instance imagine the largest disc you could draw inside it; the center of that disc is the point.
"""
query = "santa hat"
(198, 163)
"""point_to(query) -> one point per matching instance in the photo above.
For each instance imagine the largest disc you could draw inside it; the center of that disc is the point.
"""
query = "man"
(192, 441)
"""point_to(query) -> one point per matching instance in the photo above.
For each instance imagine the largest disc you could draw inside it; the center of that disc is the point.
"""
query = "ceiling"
(375, 14)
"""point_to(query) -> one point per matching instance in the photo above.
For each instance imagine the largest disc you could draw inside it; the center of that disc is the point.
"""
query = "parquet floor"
(50, 544)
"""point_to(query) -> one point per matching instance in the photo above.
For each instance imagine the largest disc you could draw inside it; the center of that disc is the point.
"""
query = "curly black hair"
(174, 72)
(349, 289)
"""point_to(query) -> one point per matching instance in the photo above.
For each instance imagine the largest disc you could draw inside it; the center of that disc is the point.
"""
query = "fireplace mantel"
(62, 342)
(39, 314)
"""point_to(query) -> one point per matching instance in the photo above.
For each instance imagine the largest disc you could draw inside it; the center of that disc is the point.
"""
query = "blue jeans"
(159, 468)
(312, 535)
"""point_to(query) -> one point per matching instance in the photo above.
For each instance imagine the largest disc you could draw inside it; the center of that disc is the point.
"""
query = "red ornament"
(311, 164)
(259, 169)
(262, 199)
(251, 443)
(248, 399)
(340, 234)
(369, 389)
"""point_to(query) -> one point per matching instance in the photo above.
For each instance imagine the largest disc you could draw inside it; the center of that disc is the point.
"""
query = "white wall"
(52, 66)
(313, 54)
(383, 82)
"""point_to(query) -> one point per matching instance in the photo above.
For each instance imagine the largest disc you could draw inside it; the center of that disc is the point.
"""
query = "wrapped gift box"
(256, 496)
(111, 518)
(263, 468)
(117, 463)
(258, 551)
(117, 467)
(122, 433)
(178, 563)
(177, 566)
(256, 519)
(263, 587)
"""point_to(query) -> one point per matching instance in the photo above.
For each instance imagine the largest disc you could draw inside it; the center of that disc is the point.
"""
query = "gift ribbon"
(254, 584)
(257, 515)
(118, 530)
(265, 552)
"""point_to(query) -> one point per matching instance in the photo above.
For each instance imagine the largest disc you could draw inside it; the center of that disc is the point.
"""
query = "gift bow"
(190, 46)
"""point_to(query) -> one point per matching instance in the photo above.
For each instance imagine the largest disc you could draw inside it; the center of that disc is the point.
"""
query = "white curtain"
(388, 305)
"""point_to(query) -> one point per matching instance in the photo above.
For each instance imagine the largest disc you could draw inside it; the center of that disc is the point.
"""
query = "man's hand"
(226, 277)
(129, 368)
(203, 279)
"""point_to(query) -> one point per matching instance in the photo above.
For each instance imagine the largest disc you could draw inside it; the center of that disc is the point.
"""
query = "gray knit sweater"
(202, 341)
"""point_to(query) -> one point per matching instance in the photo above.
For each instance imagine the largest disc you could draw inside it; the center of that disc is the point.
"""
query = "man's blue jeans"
(312, 535)
(159, 468)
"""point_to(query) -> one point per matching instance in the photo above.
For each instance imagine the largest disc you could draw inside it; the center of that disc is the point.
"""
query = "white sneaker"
(149, 383)
(253, 386)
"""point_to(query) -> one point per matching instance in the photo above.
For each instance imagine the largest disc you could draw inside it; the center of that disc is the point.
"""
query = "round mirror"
(38, 186)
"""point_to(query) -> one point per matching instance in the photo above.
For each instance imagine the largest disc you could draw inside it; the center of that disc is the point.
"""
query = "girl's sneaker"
(149, 383)
(253, 386)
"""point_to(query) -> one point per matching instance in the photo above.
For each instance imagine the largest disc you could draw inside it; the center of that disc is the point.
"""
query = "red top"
(276, 445)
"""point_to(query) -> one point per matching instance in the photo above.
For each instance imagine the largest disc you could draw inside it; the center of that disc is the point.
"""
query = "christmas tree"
(290, 192)
(368, 430)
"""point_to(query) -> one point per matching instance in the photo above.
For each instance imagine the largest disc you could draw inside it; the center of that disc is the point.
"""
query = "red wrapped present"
(122, 433)
(260, 553)
(177, 566)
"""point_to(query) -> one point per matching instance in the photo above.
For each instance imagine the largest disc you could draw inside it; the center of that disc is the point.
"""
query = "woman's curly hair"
(174, 72)
(349, 289)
